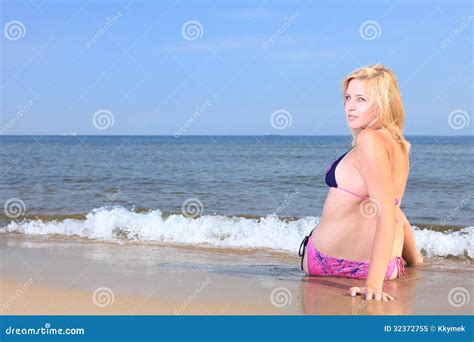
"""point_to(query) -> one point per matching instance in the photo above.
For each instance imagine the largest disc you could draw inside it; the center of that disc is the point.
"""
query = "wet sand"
(53, 275)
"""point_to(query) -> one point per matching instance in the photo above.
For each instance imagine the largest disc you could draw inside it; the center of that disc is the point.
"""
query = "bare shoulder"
(376, 152)
(370, 142)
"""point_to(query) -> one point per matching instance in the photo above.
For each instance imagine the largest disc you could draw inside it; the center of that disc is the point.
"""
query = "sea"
(240, 192)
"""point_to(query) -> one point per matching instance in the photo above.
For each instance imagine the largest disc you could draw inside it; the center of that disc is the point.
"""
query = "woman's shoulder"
(376, 139)
(371, 134)
(378, 145)
(371, 141)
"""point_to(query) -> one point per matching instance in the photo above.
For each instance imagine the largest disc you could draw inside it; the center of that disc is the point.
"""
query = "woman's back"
(348, 223)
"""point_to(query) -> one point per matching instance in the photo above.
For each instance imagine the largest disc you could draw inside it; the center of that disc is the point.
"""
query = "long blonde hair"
(387, 97)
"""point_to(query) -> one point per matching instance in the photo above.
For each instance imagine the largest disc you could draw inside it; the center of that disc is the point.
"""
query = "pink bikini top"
(331, 180)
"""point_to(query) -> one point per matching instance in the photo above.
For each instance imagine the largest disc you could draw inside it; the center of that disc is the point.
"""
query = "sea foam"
(118, 224)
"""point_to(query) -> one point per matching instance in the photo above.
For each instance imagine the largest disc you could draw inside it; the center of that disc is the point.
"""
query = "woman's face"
(359, 107)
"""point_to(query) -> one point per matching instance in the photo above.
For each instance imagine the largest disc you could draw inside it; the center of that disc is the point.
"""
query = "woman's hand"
(370, 294)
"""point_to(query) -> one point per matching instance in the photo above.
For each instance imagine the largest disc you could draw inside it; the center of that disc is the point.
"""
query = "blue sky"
(136, 62)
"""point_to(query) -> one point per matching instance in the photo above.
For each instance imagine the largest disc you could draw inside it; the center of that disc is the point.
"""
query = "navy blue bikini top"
(331, 172)
(331, 179)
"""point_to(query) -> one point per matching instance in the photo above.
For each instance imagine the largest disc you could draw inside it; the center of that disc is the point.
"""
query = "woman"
(362, 232)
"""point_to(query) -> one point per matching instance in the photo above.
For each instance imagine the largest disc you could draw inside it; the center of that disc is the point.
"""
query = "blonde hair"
(387, 97)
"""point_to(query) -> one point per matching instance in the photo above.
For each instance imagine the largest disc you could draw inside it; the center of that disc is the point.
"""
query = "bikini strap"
(303, 245)
(401, 267)
(352, 193)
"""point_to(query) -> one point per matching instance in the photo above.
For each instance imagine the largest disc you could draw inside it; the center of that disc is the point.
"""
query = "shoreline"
(69, 276)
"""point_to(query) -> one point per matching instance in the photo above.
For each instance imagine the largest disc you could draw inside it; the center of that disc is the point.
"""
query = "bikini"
(320, 264)
(331, 180)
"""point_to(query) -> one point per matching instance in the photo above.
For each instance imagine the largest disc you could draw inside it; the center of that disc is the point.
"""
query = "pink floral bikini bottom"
(320, 264)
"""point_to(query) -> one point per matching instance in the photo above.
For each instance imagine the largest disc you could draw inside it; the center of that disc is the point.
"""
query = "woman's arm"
(410, 253)
(374, 165)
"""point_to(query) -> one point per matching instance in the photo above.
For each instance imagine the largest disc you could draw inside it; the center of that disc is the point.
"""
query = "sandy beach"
(70, 276)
